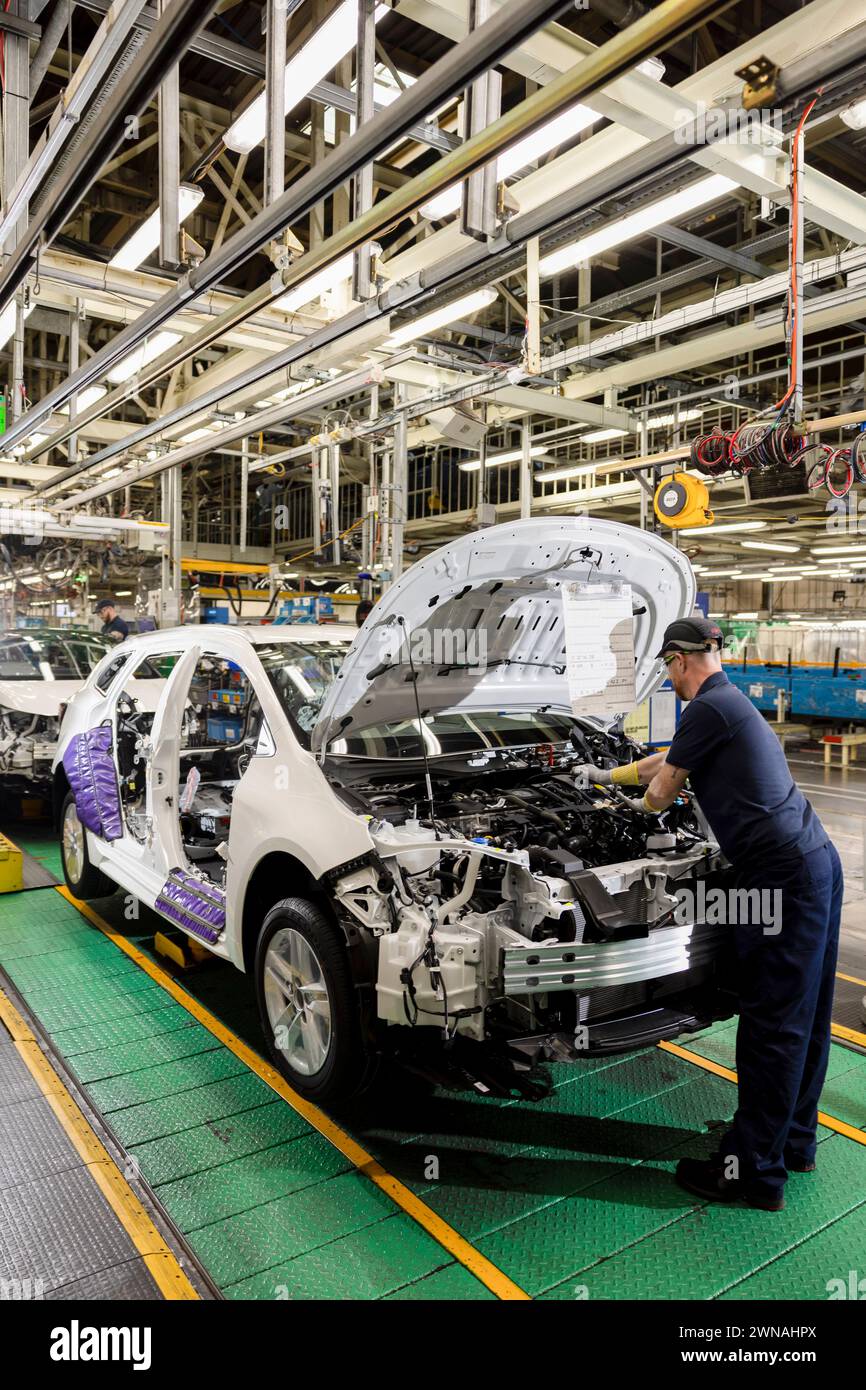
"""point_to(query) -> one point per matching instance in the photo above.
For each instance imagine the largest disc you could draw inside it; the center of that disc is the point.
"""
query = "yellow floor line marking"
(159, 1259)
(849, 1034)
(829, 1121)
(483, 1269)
(852, 979)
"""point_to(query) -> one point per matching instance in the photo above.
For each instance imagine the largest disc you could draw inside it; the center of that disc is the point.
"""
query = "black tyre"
(307, 1001)
(82, 879)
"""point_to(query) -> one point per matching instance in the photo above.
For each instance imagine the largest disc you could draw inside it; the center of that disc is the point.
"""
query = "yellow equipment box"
(11, 867)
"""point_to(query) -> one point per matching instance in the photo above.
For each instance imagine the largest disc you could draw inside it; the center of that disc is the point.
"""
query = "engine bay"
(516, 884)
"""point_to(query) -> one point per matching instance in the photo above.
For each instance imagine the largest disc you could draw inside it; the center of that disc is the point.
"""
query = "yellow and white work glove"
(589, 775)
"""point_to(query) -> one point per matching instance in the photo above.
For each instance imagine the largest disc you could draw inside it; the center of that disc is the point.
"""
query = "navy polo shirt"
(740, 777)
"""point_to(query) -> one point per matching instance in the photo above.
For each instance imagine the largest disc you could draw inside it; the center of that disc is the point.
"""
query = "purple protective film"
(193, 904)
(89, 765)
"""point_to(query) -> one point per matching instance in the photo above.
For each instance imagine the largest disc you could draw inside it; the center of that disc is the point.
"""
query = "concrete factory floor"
(210, 1178)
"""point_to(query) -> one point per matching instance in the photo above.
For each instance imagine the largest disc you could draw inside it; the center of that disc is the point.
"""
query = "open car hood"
(490, 625)
(37, 696)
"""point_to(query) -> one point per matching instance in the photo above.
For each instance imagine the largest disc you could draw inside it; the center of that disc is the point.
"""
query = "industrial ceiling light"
(7, 320)
(568, 470)
(770, 545)
(328, 43)
(722, 574)
(140, 356)
(850, 549)
(627, 228)
(496, 460)
(86, 398)
(145, 239)
(718, 527)
(439, 318)
(854, 115)
(596, 436)
(660, 422)
(857, 557)
(552, 134)
(316, 285)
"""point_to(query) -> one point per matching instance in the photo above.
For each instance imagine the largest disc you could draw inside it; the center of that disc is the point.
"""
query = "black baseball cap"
(696, 634)
(105, 603)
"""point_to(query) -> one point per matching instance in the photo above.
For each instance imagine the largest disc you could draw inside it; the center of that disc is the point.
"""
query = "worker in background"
(362, 610)
(113, 625)
(785, 962)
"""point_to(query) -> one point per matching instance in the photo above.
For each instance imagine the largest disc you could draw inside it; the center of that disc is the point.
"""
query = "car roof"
(234, 635)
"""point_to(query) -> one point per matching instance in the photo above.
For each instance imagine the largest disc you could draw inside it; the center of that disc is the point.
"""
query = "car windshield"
(49, 656)
(301, 673)
(453, 733)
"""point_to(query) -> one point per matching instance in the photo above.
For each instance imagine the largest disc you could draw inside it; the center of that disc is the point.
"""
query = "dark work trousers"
(785, 980)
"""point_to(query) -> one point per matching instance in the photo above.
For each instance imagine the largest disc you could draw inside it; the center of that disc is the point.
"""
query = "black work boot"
(800, 1165)
(706, 1178)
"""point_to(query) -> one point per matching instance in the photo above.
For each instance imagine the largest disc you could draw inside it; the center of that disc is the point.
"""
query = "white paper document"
(599, 648)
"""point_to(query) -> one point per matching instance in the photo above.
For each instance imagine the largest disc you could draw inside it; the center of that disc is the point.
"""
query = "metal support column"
(399, 493)
(318, 456)
(796, 252)
(245, 492)
(169, 162)
(533, 307)
(334, 469)
(483, 105)
(171, 568)
(74, 360)
(362, 280)
(275, 136)
(525, 471)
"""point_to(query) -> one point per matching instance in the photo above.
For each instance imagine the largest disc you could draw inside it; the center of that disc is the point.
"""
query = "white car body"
(438, 920)
(30, 707)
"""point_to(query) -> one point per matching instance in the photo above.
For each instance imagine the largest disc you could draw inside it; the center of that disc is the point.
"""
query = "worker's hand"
(588, 775)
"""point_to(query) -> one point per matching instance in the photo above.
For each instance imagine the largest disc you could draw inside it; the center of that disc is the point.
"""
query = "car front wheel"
(308, 1003)
(82, 879)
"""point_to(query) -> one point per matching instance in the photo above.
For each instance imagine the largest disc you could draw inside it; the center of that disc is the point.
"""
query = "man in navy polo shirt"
(786, 965)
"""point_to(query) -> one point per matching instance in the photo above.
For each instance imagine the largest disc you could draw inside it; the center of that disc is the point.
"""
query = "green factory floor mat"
(550, 1198)
(41, 863)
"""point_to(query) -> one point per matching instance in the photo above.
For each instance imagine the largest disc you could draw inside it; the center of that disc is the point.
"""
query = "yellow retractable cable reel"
(681, 500)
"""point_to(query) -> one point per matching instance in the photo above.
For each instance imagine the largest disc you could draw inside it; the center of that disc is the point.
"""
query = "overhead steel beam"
(275, 133)
(169, 163)
(169, 39)
(445, 78)
(700, 246)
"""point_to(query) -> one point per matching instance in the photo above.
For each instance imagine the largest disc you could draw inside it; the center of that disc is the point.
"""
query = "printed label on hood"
(599, 648)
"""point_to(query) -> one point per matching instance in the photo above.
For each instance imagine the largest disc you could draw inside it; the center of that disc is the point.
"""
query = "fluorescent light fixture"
(596, 436)
(660, 422)
(140, 356)
(784, 546)
(837, 560)
(316, 285)
(744, 615)
(627, 228)
(718, 527)
(32, 442)
(552, 134)
(145, 239)
(7, 320)
(328, 43)
(439, 318)
(495, 460)
(850, 549)
(722, 574)
(568, 470)
(854, 115)
(193, 435)
(86, 398)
